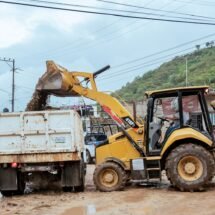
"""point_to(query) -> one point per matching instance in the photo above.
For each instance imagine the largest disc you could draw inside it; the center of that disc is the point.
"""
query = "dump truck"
(176, 134)
(37, 145)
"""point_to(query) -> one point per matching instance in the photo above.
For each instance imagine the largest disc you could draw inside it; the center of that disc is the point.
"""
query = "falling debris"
(38, 101)
(52, 82)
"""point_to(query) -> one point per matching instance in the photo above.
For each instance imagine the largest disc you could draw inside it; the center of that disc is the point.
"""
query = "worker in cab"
(175, 118)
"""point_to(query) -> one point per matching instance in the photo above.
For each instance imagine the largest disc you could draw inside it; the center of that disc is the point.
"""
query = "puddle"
(88, 210)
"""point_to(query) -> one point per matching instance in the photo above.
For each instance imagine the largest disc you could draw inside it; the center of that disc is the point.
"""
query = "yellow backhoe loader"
(176, 135)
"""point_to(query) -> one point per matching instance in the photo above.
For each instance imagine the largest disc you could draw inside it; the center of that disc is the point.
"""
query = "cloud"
(60, 20)
(19, 24)
(12, 32)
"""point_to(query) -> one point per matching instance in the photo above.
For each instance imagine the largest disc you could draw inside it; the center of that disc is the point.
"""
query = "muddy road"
(134, 200)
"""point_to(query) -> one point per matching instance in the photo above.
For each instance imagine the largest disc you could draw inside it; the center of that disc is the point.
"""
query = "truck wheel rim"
(109, 177)
(190, 168)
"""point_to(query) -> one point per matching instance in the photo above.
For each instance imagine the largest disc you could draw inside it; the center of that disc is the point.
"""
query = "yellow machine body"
(59, 81)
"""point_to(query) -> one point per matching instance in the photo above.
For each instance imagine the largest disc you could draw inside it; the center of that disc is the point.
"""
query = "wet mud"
(150, 199)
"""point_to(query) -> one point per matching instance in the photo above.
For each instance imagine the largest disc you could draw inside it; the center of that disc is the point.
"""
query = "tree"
(207, 44)
(197, 47)
(211, 43)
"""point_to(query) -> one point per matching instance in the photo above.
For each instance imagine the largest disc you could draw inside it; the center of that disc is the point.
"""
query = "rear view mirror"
(213, 104)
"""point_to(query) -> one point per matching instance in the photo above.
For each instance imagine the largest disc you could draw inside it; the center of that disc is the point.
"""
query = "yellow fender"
(185, 133)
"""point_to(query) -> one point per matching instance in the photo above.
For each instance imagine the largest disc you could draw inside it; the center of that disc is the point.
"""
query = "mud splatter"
(135, 200)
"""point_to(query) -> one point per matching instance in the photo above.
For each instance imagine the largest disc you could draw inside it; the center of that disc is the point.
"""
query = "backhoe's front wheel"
(190, 167)
(109, 177)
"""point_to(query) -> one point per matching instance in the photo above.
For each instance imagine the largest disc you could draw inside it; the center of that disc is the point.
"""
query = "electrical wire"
(108, 14)
(80, 43)
(148, 63)
(111, 9)
(122, 34)
(153, 9)
(203, 3)
(103, 39)
(117, 36)
(87, 45)
(165, 50)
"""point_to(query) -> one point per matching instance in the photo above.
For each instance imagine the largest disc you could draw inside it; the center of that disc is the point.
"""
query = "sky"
(88, 42)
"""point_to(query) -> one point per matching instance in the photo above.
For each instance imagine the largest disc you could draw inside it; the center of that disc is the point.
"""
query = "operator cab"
(173, 109)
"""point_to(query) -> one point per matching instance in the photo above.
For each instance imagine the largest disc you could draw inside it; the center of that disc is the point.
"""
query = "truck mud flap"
(8, 179)
(72, 174)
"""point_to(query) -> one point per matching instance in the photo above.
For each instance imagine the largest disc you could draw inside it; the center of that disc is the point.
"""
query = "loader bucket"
(55, 81)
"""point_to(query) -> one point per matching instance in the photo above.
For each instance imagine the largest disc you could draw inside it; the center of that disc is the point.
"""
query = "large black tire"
(190, 167)
(109, 177)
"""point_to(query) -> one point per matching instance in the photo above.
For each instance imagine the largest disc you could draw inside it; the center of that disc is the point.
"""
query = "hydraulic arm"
(59, 81)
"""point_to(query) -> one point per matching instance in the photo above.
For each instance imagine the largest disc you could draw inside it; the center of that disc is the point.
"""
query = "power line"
(203, 3)
(148, 63)
(108, 14)
(117, 36)
(77, 47)
(138, 27)
(109, 34)
(132, 70)
(80, 43)
(114, 10)
(129, 30)
(165, 50)
(153, 9)
(5, 91)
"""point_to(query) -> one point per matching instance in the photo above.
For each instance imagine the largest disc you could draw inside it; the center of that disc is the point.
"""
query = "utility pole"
(13, 84)
(13, 69)
(134, 110)
(186, 72)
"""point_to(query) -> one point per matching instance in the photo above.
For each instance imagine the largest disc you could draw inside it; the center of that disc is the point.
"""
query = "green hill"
(201, 71)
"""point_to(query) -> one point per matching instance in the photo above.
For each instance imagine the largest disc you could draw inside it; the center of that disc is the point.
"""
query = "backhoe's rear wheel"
(109, 177)
(190, 167)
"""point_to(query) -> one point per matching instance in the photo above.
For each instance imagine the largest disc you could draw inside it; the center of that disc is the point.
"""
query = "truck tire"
(109, 177)
(189, 167)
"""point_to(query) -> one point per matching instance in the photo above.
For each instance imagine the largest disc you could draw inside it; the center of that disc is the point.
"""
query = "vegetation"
(201, 71)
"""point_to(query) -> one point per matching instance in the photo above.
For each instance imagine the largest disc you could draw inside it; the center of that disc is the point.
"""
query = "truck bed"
(36, 134)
